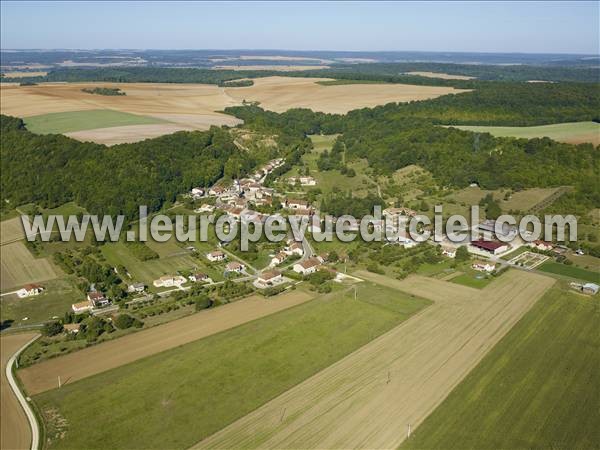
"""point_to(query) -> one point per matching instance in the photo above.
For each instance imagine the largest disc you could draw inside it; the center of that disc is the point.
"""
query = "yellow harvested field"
(141, 98)
(24, 74)
(367, 399)
(443, 76)
(126, 134)
(282, 93)
(108, 355)
(14, 427)
(11, 230)
(19, 267)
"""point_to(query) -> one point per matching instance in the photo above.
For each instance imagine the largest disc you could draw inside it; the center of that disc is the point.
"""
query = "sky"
(524, 27)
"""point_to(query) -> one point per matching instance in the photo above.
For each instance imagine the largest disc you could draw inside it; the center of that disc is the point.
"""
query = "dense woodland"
(386, 72)
(52, 169)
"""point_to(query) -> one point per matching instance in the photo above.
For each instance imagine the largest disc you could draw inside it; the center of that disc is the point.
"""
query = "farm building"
(483, 266)
(493, 247)
(307, 267)
(30, 290)
(215, 256)
(505, 230)
(234, 266)
(590, 288)
(82, 307)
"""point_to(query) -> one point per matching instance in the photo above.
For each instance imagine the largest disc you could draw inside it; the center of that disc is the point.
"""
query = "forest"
(484, 74)
(51, 170)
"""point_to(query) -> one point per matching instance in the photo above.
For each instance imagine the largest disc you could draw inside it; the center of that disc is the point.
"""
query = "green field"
(67, 122)
(55, 301)
(147, 271)
(570, 271)
(575, 132)
(538, 388)
(196, 389)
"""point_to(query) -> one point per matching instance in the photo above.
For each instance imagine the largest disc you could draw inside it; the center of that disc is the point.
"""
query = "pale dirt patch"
(367, 399)
(14, 426)
(24, 74)
(140, 98)
(282, 93)
(443, 76)
(108, 355)
(19, 267)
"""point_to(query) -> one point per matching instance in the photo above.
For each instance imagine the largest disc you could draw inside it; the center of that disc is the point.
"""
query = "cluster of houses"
(292, 248)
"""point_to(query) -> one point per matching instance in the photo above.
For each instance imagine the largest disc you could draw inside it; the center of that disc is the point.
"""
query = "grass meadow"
(537, 388)
(66, 122)
(575, 132)
(570, 271)
(197, 389)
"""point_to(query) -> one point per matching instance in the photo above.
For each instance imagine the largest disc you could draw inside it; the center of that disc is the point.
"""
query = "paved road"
(15, 424)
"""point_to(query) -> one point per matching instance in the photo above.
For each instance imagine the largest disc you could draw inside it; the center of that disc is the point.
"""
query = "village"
(249, 200)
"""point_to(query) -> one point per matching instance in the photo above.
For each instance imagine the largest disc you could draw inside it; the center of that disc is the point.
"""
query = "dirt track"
(14, 427)
(92, 360)
(368, 399)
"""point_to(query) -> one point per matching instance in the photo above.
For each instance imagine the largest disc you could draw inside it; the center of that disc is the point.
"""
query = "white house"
(541, 245)
(278, 258)
(216, 190)
(197, 277)
(483, 266)
(295, 204)
(197, 192)
(307, 267)
(215, 256)
(97, 299)
(304, 181)
(82, 307)
(30, 290)
(169, 281)
(449, 251)
(234, 266)
(269, 278)
(295, 248)
(205, 208)
(136, 287)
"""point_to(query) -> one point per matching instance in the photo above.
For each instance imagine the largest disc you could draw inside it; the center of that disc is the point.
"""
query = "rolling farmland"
(536, 389)
(367, 399)
(18, 267)
(199, 388)
(282, 93)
